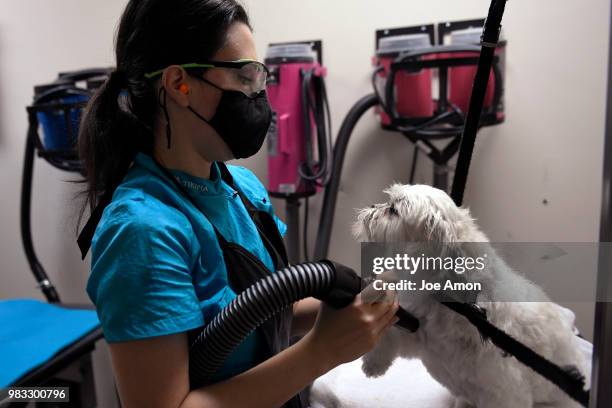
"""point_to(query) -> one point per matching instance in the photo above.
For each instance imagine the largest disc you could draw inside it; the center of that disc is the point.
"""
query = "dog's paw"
(373, 367)
(574, 372)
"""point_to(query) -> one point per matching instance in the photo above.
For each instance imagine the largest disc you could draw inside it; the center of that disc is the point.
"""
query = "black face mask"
(241, 122)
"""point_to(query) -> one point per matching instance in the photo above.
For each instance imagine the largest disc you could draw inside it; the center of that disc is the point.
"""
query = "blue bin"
(55, 128)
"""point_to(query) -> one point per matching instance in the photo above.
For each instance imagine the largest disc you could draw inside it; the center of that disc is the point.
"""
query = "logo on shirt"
(194, 186)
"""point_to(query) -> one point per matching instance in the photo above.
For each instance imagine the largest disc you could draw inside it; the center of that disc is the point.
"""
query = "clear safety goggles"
(246, 76)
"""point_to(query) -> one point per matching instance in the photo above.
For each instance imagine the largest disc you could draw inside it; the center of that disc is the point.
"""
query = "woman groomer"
(177, 232)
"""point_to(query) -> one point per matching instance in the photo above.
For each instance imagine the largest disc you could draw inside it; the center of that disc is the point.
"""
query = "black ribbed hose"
(328, 208)
(332, 283)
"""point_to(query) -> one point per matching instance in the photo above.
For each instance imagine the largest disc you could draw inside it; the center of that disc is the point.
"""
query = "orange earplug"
(184, 89)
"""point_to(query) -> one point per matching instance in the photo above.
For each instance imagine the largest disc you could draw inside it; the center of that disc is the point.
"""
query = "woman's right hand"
(343, 335)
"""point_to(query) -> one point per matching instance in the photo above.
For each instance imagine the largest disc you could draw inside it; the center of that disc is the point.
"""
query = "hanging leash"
(489, 40)
(568, 380)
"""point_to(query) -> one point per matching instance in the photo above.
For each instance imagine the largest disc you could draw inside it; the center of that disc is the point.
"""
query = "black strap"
(275, 249)
(87, 233)
(570, 382)
(490, 38)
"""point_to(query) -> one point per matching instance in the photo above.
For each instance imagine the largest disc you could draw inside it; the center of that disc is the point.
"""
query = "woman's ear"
(177, 84)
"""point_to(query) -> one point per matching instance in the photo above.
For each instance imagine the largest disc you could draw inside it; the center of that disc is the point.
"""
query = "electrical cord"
(382, 102)
(305, 231)
(315, 106)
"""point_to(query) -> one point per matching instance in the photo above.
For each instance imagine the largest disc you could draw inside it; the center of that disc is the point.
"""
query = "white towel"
(406, 384)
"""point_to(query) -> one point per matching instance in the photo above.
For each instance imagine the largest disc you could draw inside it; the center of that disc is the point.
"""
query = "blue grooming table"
(33, 332)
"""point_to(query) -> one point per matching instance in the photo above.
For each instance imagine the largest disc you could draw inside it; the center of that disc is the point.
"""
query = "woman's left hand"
(304, 316)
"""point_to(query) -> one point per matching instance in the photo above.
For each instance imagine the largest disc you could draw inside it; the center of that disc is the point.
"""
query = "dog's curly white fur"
(476, 372)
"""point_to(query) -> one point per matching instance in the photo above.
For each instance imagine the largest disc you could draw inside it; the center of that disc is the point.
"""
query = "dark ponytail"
(120, 117)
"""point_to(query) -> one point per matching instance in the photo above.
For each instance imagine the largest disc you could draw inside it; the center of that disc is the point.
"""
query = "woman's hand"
(304, 316)
(343, 335)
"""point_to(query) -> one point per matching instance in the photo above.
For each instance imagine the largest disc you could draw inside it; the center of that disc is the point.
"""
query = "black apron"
(244, 269)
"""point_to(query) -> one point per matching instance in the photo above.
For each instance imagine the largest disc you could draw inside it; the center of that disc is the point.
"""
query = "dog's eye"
(393, 211)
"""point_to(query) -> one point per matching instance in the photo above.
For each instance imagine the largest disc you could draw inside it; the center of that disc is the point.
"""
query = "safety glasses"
(246, 76)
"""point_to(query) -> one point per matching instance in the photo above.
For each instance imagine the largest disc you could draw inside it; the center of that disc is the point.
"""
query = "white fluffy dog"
(475, 371)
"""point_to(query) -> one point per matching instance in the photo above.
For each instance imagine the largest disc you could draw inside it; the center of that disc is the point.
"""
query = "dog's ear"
(360, 228)
(438, 229)
(442, 235)
(395, 191)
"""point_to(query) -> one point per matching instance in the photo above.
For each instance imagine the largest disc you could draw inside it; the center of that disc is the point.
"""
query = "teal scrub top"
(156, 266)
